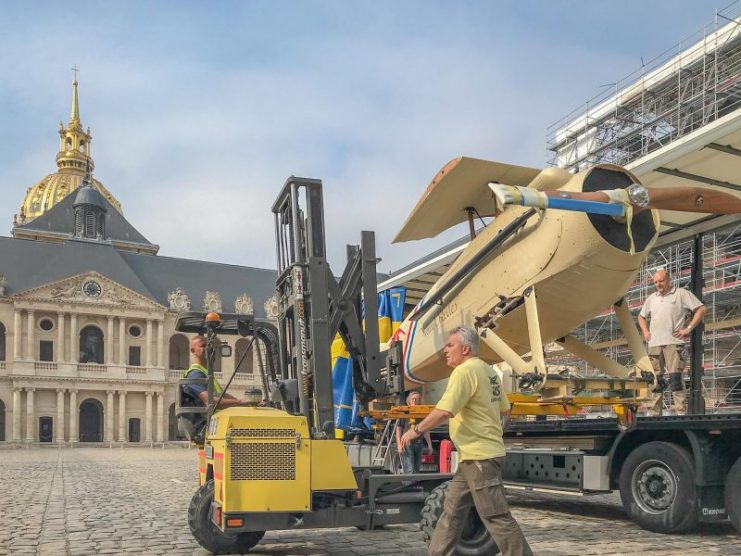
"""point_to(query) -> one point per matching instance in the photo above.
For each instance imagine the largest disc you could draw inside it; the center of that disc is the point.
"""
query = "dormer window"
(90, 212)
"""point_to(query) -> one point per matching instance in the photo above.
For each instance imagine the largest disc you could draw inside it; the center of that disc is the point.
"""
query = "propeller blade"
(693, 199)
(683, 199)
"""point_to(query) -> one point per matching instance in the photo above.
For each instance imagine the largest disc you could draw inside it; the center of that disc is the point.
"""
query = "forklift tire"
(657, 488)
(208, 535)
(733, 495)
(475, 539)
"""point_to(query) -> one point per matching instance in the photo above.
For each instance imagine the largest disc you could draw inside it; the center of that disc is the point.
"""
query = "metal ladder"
(382, 451)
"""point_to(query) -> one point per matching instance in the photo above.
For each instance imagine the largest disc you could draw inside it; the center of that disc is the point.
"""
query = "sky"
(201, 110)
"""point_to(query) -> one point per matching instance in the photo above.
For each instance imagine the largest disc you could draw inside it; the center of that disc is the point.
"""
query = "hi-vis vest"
(196, 367)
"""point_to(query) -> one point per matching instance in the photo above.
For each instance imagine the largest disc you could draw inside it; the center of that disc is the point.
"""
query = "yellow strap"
(621, 196)
(628, 222)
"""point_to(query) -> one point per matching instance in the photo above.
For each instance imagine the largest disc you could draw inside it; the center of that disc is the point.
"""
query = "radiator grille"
(263, 433)
(264, 461)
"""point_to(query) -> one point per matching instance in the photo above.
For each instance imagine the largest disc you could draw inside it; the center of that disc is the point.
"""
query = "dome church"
(88, 346)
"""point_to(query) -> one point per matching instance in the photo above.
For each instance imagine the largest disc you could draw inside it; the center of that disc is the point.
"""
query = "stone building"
(88, 349)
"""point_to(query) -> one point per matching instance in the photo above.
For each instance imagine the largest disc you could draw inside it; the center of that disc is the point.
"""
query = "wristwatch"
(416, 429)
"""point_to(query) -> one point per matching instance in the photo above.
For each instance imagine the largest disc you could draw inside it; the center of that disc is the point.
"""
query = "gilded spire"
(74, 146)
(75, 118)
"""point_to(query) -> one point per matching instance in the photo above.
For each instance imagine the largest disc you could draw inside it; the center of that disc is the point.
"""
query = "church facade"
(88, 346)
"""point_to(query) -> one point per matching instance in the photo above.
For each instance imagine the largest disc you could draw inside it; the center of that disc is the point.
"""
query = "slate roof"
(30, 263)
(60, 219)
(162, 275)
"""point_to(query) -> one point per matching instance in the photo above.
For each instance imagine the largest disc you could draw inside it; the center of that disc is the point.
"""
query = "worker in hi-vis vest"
(197, 394)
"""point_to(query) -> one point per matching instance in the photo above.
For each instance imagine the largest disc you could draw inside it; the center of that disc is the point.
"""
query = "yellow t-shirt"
(476, 399)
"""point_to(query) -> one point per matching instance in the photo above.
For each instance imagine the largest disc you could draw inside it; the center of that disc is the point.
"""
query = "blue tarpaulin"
(390, 316)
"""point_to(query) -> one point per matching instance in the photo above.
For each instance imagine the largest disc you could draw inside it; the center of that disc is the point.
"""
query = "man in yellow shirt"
(475, 403)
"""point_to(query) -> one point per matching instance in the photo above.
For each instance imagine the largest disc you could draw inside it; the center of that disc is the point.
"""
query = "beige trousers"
(669, 363)
(479, 484)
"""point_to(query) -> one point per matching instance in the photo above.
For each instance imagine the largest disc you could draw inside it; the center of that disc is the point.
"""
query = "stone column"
(59, 428)
(73, 416)
(60, 337)
(122, 341)
(16, 414)
(74, 344)
(161, 343)
(109, 343)
(30, 415)
(31, 349)
(109, 416)
(17, 335)
(161, 417)
(122, 416)
(148, 418)
(148, 344)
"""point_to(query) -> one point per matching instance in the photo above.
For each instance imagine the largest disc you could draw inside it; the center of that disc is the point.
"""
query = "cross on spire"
(76, 70)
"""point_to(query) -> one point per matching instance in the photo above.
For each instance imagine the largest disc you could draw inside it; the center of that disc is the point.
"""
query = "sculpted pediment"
(90, 288)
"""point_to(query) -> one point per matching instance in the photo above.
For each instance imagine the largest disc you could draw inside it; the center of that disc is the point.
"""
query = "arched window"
(179, 354)
(91, 421)
(91, 345)
(246, 365)
(2, 342)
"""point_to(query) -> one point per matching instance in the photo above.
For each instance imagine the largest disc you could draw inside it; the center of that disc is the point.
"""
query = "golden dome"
(73, 161)
(55, 187)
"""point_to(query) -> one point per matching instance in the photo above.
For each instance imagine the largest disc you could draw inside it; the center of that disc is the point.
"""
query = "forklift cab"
(192, 415)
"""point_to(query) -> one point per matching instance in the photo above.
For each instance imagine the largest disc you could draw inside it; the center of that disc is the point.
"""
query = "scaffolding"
(688, 86)
(721, 294)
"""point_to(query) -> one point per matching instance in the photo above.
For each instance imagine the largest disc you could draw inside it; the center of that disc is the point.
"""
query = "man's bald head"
(661, 272)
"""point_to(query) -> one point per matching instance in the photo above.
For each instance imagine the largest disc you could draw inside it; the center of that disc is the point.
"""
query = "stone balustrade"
(52, 369)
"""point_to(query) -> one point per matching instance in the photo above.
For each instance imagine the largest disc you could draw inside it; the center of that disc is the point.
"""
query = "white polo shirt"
(667, 314)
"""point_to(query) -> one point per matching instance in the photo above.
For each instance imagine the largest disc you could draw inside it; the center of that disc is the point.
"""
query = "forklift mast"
(314, 306)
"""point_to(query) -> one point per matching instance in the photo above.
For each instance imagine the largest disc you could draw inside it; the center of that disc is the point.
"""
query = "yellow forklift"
(278, 465)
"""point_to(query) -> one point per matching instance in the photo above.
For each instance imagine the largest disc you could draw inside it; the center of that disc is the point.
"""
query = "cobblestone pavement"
(134, 501)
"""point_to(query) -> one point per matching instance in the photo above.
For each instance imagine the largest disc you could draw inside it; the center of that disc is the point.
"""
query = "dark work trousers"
(478, 483)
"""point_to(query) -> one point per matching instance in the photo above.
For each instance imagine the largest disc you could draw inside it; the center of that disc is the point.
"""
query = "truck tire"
(475, 540)
(657, 488)
(733, 495)
(207, 534)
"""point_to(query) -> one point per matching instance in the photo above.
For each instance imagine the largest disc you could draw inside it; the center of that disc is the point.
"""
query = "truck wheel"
(733, 495)
(207, 534)
(475, 539)
(657, 488)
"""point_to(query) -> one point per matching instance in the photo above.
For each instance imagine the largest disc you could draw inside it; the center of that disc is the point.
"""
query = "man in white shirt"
(663, 321)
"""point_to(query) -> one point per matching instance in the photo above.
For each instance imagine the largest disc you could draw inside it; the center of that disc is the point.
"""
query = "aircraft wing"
(460, 184)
